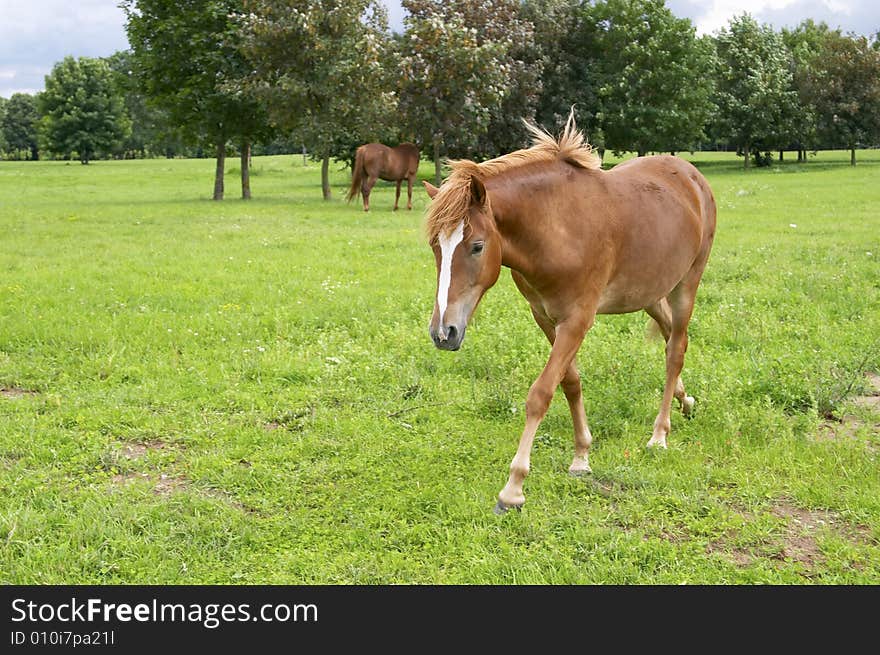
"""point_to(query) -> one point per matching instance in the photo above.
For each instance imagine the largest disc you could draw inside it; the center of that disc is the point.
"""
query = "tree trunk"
(245, 170)
(220, 170)
(746, 163)
(438, 179)
(325, 176)
(852, 156)
(781, 155)
(641, 153)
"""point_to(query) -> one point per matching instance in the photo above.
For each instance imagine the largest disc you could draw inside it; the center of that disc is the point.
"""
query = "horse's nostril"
(451, 332)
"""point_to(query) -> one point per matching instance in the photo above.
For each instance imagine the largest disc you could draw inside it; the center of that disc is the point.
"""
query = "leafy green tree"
(804, 42)
(452, 78)
(187, 58)
(846, 91)
(19, 125)
(322, 68)
(506, 22)
(566, 37)
(654, 74)
(151, 132)
(754, 85)
(3, 103)
(82, 112)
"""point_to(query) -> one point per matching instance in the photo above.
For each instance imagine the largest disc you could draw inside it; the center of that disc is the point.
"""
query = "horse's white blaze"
(448, 244)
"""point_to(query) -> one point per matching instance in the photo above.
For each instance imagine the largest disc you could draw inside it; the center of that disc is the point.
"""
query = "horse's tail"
(357, 174)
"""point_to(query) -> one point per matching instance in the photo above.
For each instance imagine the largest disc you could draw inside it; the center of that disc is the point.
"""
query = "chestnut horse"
(377, 161)
(579, 241)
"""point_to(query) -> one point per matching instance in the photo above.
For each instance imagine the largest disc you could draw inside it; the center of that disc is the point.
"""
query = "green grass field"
(245, 392)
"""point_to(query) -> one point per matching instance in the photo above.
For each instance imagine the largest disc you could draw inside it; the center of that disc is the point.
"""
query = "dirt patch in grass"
(137, 449)
(849, 425)
(163, 484)
(738, 556)
(798, 539)
(16, 392)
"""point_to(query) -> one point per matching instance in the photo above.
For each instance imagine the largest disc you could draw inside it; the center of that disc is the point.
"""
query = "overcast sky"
(35, 34)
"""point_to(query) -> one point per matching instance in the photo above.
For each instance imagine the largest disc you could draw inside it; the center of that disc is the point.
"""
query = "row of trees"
(215, 74)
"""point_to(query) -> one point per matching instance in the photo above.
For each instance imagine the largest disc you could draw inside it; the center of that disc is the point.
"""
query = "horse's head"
(468, 257)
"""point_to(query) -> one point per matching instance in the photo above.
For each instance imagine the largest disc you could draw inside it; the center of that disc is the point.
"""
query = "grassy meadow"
(245, 392)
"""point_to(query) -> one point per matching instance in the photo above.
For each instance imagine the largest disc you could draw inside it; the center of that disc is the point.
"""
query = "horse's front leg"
(569, 335)
(571, 387)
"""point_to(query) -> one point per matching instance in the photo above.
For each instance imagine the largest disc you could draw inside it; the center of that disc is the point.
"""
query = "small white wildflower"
(792, 225)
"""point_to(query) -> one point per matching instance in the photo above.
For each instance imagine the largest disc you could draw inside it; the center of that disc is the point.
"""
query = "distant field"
(245, 392)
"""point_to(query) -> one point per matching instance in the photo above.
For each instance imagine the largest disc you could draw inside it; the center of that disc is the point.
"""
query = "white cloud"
(37, 34)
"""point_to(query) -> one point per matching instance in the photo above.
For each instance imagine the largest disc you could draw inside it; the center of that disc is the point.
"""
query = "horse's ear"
(478, 191)
(430, 188)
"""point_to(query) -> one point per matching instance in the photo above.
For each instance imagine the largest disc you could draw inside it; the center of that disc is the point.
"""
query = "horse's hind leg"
(681, 306)
(409, 186)
(659, 311)
(571, 387)
(366, 188)
(397, 195)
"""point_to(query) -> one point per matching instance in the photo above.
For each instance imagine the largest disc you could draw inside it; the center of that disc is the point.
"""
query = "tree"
(19, 125)
(566, 36)
(322, 67)
(186, 56)
(3, 103)
(654, 75)
(151, 133)
(846, 91)
(507, 22)
(804, 42)
(451, 77)
(81, 110)
(754, 85)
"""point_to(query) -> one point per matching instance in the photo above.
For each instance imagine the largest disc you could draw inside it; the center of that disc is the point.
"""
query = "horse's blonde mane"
(451, 203)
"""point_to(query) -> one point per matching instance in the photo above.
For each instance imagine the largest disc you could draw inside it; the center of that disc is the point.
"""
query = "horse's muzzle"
(448, 337)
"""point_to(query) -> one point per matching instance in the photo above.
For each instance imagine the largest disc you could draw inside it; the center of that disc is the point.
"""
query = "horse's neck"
(519, 218)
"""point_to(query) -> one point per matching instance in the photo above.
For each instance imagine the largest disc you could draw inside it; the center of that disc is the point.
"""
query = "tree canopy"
(754, 85)
(82, 113)
(19, 125)
(451, 77)
(323, 70)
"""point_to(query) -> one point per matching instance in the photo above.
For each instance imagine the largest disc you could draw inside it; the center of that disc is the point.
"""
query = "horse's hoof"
(580, 473)
(687, 406)
(501, 508)
(652, 442)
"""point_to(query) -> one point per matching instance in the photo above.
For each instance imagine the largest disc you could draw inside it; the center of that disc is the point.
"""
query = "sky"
(36, 34)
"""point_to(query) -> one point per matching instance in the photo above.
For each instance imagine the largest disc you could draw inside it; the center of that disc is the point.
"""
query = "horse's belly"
(620, 297)
(649, 271)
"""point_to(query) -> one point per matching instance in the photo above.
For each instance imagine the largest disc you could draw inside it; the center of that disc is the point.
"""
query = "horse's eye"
(477, 248)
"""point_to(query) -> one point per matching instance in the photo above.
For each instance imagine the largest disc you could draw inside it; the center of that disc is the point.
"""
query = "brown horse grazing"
(579, 241)
(377, 161)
